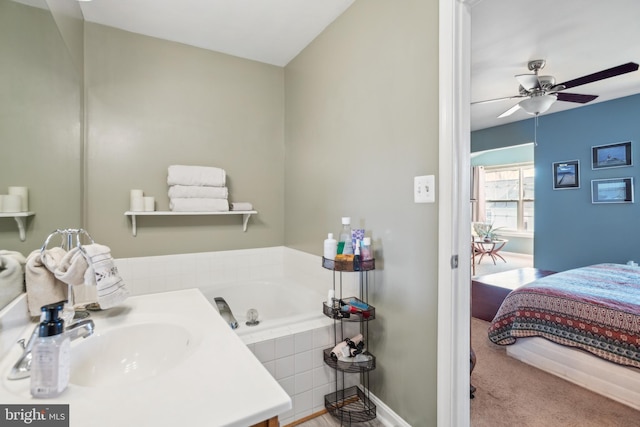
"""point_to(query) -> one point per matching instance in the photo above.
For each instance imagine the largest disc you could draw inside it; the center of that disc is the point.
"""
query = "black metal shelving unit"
(350, 404)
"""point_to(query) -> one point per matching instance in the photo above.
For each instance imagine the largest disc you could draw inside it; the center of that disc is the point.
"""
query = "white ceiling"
(270, 31)
(575, 37)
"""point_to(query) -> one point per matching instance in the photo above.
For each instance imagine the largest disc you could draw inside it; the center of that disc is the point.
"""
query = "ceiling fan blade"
(488, 101)
(510, 111)
(528, 81)
(575, 97)
(601, 75)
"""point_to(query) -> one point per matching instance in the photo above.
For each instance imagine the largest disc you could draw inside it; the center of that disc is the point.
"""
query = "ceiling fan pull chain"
(535, 131)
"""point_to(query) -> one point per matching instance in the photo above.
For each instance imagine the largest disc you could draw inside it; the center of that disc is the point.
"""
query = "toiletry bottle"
(366, 252)
(344, 240)
(356, 256)
(331, 296)
(50, 363)
(330, 247)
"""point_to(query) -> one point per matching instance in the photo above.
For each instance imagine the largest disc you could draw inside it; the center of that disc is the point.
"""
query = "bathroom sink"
(128, 354)
(152, 346)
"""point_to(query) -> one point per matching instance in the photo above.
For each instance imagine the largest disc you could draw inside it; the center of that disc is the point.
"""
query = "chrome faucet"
(225, 312)
(22, 368)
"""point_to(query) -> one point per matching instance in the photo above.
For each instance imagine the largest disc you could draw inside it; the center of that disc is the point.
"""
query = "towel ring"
(79, 232)
(66, 235)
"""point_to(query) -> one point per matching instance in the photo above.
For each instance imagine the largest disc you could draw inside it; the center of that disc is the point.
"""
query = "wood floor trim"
(307, 418)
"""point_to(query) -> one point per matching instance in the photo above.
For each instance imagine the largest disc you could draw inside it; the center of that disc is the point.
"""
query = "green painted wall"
(361, 122)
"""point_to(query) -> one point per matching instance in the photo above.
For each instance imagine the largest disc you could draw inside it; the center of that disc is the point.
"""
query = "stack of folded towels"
(197, 189)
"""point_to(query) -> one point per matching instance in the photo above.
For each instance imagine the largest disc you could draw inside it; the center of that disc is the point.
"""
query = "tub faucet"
(225, 312)
(22, 368)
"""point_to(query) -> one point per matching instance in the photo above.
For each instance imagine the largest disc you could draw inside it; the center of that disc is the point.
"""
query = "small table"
(488, 247)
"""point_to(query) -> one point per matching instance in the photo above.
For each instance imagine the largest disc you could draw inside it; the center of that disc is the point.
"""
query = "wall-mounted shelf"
(20, 218)
(133, 214)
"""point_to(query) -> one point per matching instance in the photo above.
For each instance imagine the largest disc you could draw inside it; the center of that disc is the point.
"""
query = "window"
(509, 196)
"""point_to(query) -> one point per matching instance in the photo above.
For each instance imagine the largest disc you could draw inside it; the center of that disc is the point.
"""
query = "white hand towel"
(15, 255)
(241, 206)
(199, 205)
(11, 274)
(195, 191)
(103, 272)
(72, 271)
(196, 175)
(42, 286)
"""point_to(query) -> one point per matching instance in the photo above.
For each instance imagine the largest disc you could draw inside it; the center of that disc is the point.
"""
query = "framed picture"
(611, 155)
(566, 175)
(615, 190)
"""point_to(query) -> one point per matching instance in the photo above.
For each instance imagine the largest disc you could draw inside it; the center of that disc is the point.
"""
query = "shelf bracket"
(134, 227)
(20, 220)
(245, 221)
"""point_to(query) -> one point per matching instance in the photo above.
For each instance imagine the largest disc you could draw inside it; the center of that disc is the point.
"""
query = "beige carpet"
(511, 261)
(511, 393)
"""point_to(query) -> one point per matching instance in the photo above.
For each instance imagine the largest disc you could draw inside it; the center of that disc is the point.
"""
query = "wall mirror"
(41, 123)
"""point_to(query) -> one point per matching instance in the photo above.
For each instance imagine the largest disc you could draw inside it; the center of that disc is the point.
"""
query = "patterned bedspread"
(595, 308)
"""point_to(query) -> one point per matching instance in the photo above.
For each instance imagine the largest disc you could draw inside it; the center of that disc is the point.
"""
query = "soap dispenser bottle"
(51, 358)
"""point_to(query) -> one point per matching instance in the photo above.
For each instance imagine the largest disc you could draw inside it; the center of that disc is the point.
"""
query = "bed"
(594, 309)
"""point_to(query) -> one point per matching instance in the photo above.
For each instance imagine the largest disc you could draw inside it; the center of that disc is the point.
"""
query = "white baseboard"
(386, 415)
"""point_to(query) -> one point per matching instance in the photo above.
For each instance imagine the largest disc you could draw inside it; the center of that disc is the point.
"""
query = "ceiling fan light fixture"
(537, 104)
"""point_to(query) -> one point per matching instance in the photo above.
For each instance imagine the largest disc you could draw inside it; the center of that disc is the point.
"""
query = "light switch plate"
(424, 189)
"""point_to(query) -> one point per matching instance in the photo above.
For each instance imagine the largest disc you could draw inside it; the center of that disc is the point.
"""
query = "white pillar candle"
(149, 204)
(11, 203)
(23, 192)
(137, 204)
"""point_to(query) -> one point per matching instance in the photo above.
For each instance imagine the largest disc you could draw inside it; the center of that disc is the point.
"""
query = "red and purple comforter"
(595, 308)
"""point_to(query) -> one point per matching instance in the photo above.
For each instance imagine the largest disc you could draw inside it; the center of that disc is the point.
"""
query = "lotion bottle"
(330, 247)
(366, 252)
(51, 358)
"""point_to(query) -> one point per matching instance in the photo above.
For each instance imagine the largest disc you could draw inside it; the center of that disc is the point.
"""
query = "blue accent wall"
(570, 231)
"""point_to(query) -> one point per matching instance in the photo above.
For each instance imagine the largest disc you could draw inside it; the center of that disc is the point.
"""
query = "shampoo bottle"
(50, 364)
(330, 247)
(345, 246)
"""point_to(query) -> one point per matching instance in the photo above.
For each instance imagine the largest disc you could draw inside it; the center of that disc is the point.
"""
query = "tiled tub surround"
(291, 352)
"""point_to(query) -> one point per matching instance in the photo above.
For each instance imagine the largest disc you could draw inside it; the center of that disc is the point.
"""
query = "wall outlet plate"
(424, 189)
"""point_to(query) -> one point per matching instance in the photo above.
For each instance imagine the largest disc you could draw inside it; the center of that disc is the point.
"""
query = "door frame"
(454, 290)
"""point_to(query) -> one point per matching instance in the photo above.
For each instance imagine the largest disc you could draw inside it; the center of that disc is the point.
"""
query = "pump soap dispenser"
(51, 358)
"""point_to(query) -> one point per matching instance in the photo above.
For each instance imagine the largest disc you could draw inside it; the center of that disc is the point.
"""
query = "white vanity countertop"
(218, 383)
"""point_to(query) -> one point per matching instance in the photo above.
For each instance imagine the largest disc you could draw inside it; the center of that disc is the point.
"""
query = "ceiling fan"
(540, 92)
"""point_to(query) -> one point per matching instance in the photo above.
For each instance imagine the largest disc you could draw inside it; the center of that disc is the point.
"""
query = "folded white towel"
(103, 272)
(196, 175)
(72, 270)
(241, 206)
(42, 286)
(11, 274)
(198, 205)
(197, 191)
